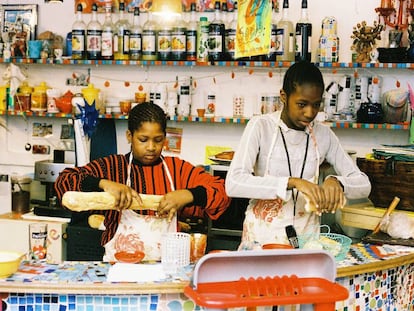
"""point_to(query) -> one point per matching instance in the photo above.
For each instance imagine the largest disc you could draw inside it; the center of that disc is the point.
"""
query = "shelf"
(218, 119)
(355, 125)
(263, 64)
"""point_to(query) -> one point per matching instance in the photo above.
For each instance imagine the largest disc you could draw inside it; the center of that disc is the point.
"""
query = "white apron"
(137, 232)
(265, 220)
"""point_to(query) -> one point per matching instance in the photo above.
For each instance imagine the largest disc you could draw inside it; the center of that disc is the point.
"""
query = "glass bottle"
(230, 36)
(178, 39)
(216, 35)
(303, 35)
(271, 56)
(94, 35)
(78, 35)
(164, 40)
(149, 39)
(202, 39)
(285, 36)
(135, 37)
(121, 38)
(191, 35)
(107, 51)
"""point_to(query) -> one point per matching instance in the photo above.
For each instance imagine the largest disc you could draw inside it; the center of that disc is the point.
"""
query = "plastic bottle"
(230, 34)
(303, 35)
(202, 39)
(121, 37)
(135, 37)
(78, 35)
(285, 36)
(216, 35)
(178, 39)
(107, 51)
(164, 40)
(94, 35)
(149, 39)
(191, 35)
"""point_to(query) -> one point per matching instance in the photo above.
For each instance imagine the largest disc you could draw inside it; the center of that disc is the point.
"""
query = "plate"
(220, 161)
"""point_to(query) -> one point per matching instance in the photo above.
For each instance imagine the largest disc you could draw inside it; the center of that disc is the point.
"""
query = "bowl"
(276, 246)
(9, 263)
(128, 257)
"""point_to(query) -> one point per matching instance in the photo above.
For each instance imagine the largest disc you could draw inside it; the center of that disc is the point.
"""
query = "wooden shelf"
(217, 119)
(263, 64)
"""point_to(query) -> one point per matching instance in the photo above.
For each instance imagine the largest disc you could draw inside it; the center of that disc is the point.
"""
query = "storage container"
(389, 178)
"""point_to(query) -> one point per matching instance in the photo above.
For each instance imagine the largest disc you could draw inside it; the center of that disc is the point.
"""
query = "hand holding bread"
(86, 201)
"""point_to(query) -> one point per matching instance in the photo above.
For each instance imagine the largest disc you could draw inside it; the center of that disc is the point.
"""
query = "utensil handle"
(389, 210)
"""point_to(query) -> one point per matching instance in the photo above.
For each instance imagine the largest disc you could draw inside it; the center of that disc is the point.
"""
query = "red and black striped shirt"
(210, 199)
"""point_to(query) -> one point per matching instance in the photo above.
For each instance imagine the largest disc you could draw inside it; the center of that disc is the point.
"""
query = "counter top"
(72, 277)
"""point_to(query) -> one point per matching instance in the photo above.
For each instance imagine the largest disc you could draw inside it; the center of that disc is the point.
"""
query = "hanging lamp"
(166, 7)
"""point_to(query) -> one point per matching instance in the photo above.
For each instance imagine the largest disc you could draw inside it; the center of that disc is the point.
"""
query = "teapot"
(64, 103)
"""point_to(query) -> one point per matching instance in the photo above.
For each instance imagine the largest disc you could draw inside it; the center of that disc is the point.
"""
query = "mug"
(35, 47)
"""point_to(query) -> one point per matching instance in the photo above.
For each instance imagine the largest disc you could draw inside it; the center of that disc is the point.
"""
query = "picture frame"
(18, 23)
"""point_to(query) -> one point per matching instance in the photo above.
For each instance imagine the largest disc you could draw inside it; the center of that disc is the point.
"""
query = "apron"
(265, 220)
(137, 232)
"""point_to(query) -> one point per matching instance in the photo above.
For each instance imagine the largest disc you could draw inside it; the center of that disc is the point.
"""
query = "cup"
(140, 97)
(198, 244)
(125, 106)
(35, 47)
(175, 251)
(37, 240)
(201, 112)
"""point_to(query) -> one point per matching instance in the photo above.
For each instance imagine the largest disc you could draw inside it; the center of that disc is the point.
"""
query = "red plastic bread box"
(266, 278)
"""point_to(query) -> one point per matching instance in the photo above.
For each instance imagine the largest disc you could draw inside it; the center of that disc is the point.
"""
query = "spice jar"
(39, 97)
(211, 105)
(22, 100)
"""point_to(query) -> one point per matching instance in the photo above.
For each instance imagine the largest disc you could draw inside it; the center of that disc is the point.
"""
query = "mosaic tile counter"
(378, 278)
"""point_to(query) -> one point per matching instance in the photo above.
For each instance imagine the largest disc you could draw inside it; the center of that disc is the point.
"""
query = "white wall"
(58, 18)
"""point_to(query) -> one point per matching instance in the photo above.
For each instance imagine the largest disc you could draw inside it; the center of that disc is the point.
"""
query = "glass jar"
(21, 194)
(39, 97)
(211, 105)
(22, 100)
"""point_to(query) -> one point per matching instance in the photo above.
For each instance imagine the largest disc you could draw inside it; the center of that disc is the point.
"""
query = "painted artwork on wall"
(18, 23)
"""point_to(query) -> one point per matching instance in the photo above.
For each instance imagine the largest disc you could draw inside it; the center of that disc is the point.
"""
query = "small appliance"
(46, 172)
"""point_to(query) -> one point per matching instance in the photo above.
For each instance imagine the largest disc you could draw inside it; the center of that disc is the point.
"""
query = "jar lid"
(25, 88)
(42, 87)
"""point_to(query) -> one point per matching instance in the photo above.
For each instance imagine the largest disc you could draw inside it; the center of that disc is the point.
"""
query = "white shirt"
(260, 170)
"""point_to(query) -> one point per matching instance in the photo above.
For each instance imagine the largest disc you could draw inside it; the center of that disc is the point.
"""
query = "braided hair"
(302, 73)
(146, 112)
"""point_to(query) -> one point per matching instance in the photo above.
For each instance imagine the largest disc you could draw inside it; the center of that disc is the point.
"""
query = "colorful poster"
(253, 28)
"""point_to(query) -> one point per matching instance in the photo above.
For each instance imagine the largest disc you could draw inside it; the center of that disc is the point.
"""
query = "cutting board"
(383, 238)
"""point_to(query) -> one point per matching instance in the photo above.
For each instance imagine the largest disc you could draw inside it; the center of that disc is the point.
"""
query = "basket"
(336, 244)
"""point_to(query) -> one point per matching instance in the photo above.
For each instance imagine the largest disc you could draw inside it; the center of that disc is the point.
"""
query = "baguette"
(86, 201)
